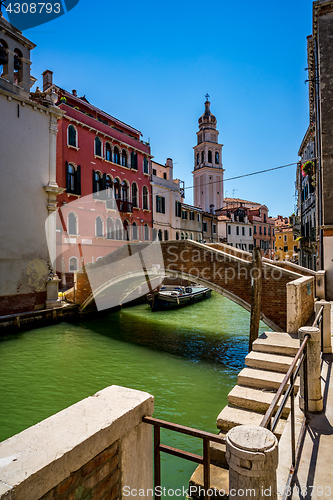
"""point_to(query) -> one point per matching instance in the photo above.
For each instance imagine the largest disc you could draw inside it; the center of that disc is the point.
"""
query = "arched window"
(191, 236)
(155, 234)
(145, 198)
(18, 67)
(99, 227)
(134, 160)
(117, 193)
(202, 156)
(134, 231)
(182, 236)
(126, 226)
(116, 157)
(186, 236)
(108, 187)
(108, 152)
(145, 166)
(209, 157)
(119, 230)
(177, 235)
(217, 157)
(124, 191)
(72, 223)
(71, 138)
(166, 235)
(98, 146)
(124, 158)
(135, 195)
(73, 264)
(109, 228)
(3, 58)
(146, 231)
(160, 237)
(97, 184)
(71, 178)
(198, 158)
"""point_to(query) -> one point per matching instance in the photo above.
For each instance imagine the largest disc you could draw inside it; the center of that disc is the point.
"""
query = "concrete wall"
(93, 449)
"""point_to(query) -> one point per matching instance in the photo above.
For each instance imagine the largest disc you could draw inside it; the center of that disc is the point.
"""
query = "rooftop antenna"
(233, 192)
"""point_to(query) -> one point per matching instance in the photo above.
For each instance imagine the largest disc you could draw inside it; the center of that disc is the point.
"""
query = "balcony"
(124, 206)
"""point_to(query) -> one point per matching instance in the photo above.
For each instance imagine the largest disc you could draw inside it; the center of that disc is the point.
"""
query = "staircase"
(248, 401)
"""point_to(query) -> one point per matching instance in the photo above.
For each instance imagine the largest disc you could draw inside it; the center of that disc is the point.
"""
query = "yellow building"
(286, 246)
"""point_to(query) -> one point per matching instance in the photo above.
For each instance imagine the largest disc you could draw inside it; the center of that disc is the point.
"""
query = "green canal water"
(188, 359)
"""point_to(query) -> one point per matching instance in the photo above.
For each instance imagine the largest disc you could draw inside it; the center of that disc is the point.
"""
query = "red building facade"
(105, 170)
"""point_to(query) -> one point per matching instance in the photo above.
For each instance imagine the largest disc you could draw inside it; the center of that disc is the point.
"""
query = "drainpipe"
(318, 148)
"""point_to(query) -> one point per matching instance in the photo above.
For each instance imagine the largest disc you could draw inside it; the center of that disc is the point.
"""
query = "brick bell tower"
(208, 169)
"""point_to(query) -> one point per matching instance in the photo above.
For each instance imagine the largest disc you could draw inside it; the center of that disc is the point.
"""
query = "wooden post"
(256, 288)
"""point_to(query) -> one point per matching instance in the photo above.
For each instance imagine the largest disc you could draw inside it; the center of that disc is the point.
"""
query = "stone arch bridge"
(288, 290)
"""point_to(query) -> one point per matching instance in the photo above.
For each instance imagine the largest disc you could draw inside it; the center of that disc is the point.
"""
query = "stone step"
(266, 361)
(262, 379)
(219, 483)
(253, 399)
(230, 417)
(277, 343)
(217, 452)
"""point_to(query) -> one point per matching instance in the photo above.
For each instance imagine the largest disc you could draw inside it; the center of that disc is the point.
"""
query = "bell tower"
(208, 169)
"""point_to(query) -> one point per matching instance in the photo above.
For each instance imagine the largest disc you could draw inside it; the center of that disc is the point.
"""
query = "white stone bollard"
(315, 400)
(327, 334)
(252, 455)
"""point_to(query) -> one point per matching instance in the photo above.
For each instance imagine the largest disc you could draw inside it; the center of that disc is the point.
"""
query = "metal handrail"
(290, 378)
(158, 447)
(318, 323)
(319, 317)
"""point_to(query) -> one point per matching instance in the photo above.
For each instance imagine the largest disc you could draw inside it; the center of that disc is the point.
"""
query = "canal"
(188, 359)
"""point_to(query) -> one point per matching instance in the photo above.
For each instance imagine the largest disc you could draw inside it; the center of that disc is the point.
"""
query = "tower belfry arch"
(208, 168)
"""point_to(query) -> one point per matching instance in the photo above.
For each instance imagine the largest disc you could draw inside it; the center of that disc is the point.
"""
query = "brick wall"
(11, 304)
(97, 480)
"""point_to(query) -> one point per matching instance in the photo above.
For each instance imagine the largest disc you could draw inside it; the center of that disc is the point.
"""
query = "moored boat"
(171, 297)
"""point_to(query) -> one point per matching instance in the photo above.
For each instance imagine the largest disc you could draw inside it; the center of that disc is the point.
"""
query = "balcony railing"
(121, 205)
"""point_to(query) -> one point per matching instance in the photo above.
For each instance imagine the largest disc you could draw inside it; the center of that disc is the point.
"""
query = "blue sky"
(150, 64)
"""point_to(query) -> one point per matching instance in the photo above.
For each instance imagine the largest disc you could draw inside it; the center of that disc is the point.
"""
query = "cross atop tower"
(207, 96)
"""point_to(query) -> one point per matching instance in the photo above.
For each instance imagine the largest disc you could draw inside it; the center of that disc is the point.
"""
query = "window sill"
(73, 194)
(99, 157)
(146, 210)
(147, 175)
(100, 237)
(136, 208)
(73, 235)
(72, 147)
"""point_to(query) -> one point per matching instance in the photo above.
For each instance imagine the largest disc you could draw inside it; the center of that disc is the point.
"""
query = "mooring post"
(313, 390)
(252, 456)
(256, 289)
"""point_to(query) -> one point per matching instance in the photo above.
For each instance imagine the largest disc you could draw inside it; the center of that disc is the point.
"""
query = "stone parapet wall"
(300, 302)
(89, 451)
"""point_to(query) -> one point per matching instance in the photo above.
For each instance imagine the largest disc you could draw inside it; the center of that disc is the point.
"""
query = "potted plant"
(63, 100)
(77, 108)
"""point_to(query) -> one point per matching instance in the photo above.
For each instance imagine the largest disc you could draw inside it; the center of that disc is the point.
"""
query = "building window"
(202, 156)
(285, 248)
(160, 238)
(197, 158)
(97, 184)
(72, 136)
(116, 187)
(217, 158)
(134, 160)
(265, 230)
(182, 236)
(260, 230)
(119, 230)
(108, 187)
(284, 237)
(250, 247)
(209, 157)
(186, 236)
(18, 68)
(134, 231)
(184, 214)
(154, 171)
(108, 153)
(124, 158)
(99, 228)
(73, 179)
(145, 166)
(254, 242)
(135, 195)
(237, 230)
(254, 230)
(124, 191)
(146, 231)
(177, 235)
(73, 264)
(145, 198)
(198, 217)
(229, 229)
(191, 215)
(126, 226)
(160, 204)
(243, 231)
(273, 231)
(250, 231)
(98, 146)
(164, 175)
(116, 156)
(109, 228)
(166, 235)
(204, 227)
(72, 223)
(214, 228)
(269, 231)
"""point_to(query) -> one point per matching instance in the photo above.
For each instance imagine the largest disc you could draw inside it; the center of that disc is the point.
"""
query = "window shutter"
(136, 161)
(157, 204)
(94, 182)
(163, 205)
(78, 180)
(67, 178)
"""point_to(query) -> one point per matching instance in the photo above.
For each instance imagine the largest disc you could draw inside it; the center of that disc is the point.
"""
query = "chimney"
(47, 79)
(169, 165)
(74, 93)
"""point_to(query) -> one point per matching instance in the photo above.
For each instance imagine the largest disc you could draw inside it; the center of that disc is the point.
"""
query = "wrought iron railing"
(318, 323)
(158, 448)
